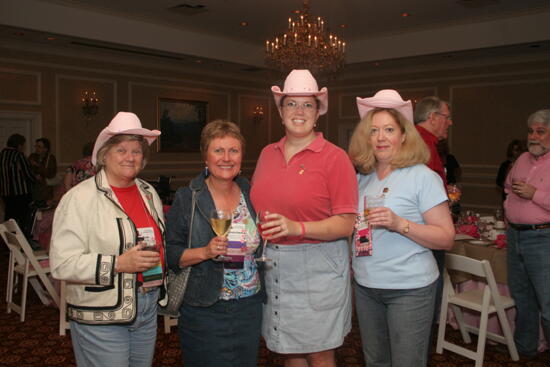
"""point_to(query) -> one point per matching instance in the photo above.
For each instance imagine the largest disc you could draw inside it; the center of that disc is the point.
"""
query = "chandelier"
(306, 44)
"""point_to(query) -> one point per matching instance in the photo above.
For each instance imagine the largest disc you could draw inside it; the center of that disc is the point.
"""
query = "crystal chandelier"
(306, 44)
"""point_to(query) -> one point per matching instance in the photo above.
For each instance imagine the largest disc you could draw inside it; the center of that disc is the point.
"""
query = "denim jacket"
(206, 278)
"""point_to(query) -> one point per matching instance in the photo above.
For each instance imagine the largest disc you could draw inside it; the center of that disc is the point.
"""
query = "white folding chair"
(25, 262)
(168, 323)
(486, 301)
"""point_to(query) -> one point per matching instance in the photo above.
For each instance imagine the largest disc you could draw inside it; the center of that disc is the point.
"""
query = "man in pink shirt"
(527, 209)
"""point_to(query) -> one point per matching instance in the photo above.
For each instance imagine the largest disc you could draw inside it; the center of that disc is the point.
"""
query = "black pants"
(18, 208)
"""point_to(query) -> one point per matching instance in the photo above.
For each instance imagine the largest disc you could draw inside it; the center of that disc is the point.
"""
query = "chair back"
(18, 244)
(9, 232)
(479, 268)
(24, 255)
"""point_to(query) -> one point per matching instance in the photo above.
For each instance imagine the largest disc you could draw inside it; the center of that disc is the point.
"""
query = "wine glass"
(220, 220)
(260, 219)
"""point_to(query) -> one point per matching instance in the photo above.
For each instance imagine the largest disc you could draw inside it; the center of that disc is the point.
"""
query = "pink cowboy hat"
(301, 83)
(123, 123)
(386, 98)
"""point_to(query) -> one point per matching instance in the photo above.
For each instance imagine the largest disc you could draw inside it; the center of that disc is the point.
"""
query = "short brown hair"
(117, 139)
(413, 150)
(219, 129)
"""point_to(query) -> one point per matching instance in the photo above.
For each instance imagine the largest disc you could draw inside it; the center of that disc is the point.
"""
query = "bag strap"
(193, 204)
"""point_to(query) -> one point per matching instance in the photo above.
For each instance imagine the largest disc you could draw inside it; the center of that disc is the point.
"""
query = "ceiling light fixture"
(306, 44)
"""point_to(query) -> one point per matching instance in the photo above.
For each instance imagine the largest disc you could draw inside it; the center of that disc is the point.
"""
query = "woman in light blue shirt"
(395, 283)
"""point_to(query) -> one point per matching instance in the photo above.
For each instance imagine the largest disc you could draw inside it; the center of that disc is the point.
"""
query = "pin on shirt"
(302, 169)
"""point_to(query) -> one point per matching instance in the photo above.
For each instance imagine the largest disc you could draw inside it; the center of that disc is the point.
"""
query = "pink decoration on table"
(468, 229)
(501, 241)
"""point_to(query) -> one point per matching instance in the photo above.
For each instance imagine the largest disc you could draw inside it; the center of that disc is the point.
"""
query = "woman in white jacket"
(107, 243)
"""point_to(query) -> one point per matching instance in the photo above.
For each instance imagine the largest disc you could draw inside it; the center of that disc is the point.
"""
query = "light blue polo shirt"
(398, 262)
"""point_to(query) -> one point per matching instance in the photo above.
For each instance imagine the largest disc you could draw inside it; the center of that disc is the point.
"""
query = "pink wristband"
(303, 230)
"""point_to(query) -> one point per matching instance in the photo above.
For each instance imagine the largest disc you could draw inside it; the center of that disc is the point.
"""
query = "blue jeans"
(395, 325)
(226, 334)
(131, 345)
(529, 283)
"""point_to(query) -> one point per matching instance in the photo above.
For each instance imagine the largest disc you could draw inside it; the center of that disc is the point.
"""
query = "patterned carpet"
(36, 342)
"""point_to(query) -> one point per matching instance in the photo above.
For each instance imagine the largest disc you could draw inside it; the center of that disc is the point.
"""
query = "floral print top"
(243, 282)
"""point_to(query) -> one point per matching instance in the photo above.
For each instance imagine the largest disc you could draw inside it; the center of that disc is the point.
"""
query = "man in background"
(16, 179)
(527, 208)
(432, 117)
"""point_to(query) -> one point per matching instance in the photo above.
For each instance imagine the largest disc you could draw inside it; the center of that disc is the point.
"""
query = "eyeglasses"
(447, 117)
(306, 106)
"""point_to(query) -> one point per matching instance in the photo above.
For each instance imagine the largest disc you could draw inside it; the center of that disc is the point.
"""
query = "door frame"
(36, 124)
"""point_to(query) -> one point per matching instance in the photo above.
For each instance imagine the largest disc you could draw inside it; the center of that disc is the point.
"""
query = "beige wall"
(54, 85)
(490, 105)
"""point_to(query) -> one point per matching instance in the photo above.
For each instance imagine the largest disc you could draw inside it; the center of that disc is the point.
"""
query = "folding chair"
(11, 226)
(486, 301)
(25, 262)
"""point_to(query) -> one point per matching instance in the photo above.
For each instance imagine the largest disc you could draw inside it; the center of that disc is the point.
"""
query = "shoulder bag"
(177, 281)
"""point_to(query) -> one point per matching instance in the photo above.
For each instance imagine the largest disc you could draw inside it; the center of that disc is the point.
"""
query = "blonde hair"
(413, 150)
(219, 129)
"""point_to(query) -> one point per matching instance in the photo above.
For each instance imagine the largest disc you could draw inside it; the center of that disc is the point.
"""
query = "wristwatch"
(405, 229)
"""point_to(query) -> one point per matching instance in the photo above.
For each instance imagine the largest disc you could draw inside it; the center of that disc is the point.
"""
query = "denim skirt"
(309, 297)
(226, 334)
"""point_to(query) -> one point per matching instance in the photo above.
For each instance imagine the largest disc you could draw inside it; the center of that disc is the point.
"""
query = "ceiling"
(210, 29)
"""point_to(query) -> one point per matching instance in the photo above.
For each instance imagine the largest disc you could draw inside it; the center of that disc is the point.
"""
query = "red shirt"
(131, 201)
(435, 162)
(318, 182)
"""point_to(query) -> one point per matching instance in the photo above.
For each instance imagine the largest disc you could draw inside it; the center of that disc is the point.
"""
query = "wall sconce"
(90, 104)
(258, 114)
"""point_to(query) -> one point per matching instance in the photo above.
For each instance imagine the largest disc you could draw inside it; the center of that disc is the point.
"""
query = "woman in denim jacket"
(220, 317)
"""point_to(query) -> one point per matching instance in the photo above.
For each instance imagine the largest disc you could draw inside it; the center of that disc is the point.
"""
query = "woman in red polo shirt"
(299, 181)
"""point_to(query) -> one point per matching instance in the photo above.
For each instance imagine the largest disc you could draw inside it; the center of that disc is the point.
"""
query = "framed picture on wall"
(181, 122)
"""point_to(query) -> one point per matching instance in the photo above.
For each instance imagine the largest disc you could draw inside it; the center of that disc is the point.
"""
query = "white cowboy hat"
(386, 98)
(123, 123)
(301, 83)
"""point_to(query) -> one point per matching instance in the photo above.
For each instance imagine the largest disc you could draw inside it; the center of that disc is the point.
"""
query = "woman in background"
(307, 187)
(80, 170)
(515, 148)
(395, 285)
(44, 166)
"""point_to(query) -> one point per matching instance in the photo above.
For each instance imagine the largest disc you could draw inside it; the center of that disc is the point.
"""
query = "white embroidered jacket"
(90, 229)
